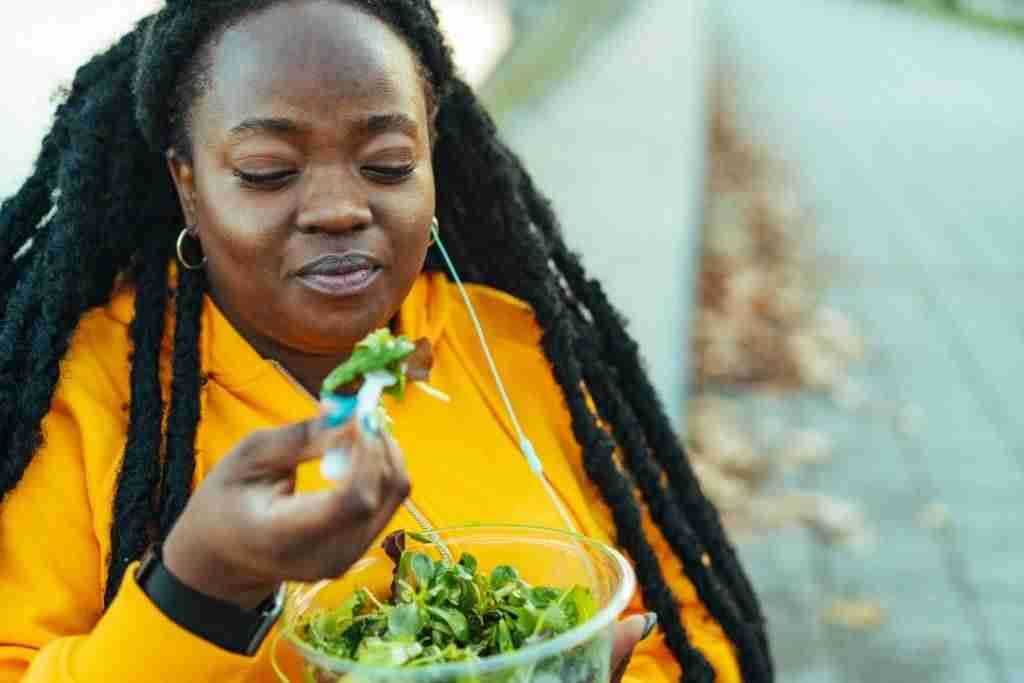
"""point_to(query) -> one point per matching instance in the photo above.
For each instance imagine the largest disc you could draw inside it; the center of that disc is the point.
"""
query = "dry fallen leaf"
(806, 447)
(849, 394)
(856, 614)
(935, 517)
(839, 522)
(760, 323)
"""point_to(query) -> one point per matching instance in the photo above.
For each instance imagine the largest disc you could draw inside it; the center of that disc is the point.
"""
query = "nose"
(334, 203)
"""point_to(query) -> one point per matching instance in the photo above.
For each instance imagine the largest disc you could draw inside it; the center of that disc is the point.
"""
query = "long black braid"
(100, 206)
(622, 353)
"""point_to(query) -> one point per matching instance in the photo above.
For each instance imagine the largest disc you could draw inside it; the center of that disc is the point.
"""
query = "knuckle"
(276, 550)
(338, 565)
(365, 503)
(257, 438)
(312, 572)
(253, 447)
(402, 485)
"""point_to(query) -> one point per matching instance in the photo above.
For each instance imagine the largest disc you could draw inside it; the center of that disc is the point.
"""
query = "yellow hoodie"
(462, 457)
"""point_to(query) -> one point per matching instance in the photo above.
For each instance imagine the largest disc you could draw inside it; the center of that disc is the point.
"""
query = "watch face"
(269, 618)
(146, 564)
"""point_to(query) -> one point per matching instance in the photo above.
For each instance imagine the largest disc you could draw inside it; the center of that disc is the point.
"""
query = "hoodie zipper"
(425, 526)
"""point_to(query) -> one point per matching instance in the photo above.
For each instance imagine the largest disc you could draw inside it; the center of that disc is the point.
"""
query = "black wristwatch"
(222, 623)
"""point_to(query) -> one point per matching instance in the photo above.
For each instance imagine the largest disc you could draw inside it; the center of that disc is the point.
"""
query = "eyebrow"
(382, 123)
(277, 126)
(372, 124)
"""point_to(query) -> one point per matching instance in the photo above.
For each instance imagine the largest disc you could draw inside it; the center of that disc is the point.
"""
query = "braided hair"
(100, 207)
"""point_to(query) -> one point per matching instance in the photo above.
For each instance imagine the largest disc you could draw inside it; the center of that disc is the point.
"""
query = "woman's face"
(310, 186)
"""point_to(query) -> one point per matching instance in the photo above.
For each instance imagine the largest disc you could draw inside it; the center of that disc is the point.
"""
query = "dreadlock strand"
(135, 499)
(624, 354)
(666, 448)
(183, 419)
(617, 492)
(667, 515)
(22, 418)
(22, 213)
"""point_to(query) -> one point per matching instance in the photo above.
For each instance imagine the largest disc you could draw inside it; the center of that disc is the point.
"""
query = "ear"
(184, 182)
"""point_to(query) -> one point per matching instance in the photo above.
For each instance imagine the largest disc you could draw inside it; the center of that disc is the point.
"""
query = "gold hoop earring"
(435, 229)
(181, 253)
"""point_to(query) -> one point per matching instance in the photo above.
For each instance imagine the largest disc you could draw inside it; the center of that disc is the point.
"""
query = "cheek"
(241, 227)
(412, 213)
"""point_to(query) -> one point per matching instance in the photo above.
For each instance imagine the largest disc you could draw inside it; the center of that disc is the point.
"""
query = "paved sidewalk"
(619, 147)
(909, 137)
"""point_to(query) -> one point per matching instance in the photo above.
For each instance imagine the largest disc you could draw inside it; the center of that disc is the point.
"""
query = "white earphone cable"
(525, 445)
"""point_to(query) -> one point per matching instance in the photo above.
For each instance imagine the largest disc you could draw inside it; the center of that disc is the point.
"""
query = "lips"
(340, 275)
(339, 264)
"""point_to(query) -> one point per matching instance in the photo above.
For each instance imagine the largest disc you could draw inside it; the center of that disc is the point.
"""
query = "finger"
(400, 484)
(372, 481)
(346, 547)
(347, 505)
(395, 483)
(279, 449)
(363, 432)
(628, 633)
(285, 448)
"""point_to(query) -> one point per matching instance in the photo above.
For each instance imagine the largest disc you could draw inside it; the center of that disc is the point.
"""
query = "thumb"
(628, 633)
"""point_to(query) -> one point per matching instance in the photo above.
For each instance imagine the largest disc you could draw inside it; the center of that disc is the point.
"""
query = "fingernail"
(650, 621)
(370, 424)
(339, 409)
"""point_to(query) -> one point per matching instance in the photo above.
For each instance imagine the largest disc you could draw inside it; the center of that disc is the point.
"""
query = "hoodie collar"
(234, 362)
(225, 354)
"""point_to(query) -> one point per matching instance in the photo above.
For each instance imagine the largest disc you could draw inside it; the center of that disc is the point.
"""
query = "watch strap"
(222, 623)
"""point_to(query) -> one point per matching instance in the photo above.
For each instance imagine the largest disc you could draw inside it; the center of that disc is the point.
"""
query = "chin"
(339, 331)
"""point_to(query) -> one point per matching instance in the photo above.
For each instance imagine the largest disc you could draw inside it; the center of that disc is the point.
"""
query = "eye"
(388, 174)
(264, 180)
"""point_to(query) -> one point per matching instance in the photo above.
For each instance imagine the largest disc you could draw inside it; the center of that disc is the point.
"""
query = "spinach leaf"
(440, 612)
(380, 350)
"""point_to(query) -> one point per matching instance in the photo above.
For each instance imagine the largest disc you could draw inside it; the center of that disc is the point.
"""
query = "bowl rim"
(539, 651)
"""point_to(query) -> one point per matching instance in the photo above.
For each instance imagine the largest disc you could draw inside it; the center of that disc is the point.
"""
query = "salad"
(381, 363)
(441, 612)
(381, 352)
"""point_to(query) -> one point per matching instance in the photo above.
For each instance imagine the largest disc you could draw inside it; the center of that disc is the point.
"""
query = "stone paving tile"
(989, 343)
(1009, 614)
(781, 572)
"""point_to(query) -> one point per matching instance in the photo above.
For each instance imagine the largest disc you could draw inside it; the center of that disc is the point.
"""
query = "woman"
(229, 199)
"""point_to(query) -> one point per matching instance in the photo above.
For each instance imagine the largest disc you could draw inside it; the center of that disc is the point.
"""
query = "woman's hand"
(245, 530)
(628, 633)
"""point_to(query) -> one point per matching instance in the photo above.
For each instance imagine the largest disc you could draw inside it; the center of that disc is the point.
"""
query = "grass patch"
(945, 10)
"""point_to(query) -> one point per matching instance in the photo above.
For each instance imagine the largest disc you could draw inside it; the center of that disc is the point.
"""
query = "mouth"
(340, 274)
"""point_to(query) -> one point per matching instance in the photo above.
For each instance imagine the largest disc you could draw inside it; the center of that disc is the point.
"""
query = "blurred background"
(811, 212)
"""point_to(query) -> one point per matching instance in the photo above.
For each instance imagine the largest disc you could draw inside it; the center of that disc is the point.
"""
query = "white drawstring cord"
(525, 445)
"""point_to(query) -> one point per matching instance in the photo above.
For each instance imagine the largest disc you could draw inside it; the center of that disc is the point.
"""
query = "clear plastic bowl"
(542, 556)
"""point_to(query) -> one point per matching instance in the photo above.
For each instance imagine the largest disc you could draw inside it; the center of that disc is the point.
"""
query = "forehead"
(317, 59)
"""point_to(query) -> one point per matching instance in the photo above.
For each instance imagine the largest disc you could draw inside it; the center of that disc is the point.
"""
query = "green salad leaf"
(380, 350)
(440, 612)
